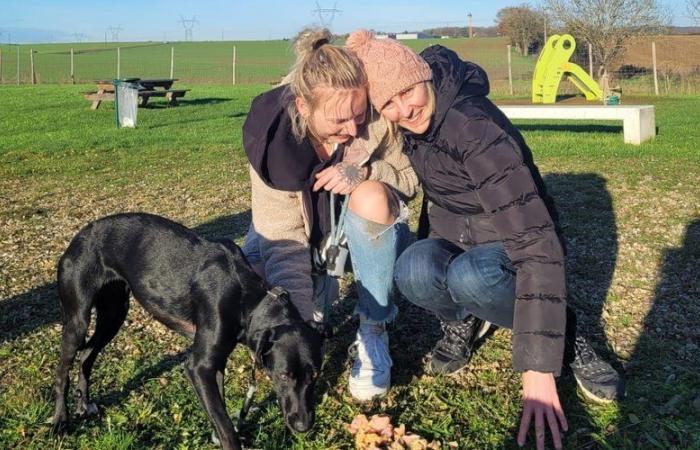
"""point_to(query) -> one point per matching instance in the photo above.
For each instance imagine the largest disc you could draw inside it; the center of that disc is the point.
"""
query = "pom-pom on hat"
(391, 67)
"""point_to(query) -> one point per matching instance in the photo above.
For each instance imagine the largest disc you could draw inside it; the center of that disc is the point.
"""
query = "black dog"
(203, 289)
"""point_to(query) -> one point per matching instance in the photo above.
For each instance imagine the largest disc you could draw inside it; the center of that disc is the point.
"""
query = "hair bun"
(310, 40)
(358, 39)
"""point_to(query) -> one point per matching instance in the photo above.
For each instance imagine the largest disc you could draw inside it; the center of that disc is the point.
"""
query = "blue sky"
(27, 21)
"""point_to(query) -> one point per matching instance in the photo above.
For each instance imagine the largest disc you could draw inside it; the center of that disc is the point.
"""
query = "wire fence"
(664, 65)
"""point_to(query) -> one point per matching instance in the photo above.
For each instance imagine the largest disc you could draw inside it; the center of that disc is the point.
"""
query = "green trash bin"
(126, 102)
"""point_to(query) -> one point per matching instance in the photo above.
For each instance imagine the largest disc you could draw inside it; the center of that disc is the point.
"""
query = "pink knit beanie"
(391, 67)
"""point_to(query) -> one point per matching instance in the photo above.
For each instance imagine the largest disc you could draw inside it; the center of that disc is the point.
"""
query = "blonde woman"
(307, 138)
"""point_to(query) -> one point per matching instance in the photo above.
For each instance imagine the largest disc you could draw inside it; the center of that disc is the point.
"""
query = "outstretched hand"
(540, 399)
(341, 178)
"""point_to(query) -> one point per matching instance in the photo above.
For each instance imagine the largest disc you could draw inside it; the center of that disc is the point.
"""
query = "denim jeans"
(439, 276)
(373, 249)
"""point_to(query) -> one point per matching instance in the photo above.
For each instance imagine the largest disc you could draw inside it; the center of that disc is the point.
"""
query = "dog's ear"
(262, 343)
(325, 330)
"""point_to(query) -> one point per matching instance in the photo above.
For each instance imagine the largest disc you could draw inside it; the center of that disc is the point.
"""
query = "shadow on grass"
(588, 223)
(573, 128)
(663, 384)
(39, 307)
(185, 102)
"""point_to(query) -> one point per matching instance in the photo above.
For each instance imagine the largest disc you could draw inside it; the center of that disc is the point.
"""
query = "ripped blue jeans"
(374, 248)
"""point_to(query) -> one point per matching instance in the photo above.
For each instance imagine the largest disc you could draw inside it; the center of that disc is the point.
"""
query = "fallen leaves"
(378, 433)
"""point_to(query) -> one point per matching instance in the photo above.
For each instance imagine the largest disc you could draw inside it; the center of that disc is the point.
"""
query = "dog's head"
(291, 356)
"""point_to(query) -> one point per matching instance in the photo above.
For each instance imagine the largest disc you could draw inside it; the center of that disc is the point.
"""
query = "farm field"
(630, 214)
(261, 62)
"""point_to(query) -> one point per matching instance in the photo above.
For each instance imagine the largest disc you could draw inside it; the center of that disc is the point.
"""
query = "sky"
(29, 21)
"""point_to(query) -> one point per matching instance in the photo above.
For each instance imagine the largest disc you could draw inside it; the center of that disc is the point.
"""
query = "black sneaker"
(596, 378)
(453, 352)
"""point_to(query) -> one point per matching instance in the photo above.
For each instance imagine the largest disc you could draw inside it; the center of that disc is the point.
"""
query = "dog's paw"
(215, 439)
(88, 410)
(58, 423)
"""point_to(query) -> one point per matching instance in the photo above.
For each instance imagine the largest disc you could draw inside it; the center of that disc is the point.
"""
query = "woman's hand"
(342, 178)
(540, 399)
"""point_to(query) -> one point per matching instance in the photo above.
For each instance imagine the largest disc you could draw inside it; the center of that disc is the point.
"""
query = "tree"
(522, 25)
(694, 10)
(608, 24)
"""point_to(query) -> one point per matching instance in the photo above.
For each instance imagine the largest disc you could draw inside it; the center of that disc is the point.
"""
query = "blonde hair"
(392, 128)
(319, 64)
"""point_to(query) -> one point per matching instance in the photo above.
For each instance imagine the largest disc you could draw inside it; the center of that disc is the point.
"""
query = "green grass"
(259, 62)
(630, 214)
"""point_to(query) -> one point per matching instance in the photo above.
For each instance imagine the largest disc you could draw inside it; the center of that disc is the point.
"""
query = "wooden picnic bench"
(147, 88)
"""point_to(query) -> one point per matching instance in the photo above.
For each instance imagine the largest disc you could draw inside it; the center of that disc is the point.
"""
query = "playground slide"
(552, 64)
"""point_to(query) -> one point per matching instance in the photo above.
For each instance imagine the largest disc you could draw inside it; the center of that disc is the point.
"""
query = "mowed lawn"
(631, 216)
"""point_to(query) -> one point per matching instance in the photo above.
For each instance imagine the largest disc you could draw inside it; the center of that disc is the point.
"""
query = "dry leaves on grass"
(378, 433)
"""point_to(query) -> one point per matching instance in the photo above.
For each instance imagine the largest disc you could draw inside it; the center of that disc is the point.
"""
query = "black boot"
(598, 380)
(453, 352)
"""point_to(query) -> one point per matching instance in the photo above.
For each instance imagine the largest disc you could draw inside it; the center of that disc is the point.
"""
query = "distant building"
(403, 36)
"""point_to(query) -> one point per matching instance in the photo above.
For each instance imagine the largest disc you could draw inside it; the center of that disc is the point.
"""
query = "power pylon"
(326, 15)
(114, 31)
(188, 25)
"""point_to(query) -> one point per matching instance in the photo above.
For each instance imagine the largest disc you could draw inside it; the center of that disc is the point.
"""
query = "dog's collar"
(277, 293)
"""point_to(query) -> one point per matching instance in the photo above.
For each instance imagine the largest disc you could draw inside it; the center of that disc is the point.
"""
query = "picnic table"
(147, 88)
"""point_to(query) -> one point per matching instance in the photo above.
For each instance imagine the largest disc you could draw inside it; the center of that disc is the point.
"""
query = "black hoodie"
(282, 162)
(483, 186)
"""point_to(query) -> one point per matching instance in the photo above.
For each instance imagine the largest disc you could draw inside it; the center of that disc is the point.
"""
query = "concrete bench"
(638, 121)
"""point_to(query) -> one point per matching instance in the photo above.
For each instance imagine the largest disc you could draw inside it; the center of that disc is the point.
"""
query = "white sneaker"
(371, 372)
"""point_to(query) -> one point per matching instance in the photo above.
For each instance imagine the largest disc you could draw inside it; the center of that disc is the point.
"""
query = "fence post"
(119, 62)
(233, 78)
(172, 61)
(31, 64)
(510, 73)
(18, 65)
(72, 67)
(590, 60)
(653, 57)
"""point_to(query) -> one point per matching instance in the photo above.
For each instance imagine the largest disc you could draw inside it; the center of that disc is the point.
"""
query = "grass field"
(631, 216)
(259, 62)
(265, 62)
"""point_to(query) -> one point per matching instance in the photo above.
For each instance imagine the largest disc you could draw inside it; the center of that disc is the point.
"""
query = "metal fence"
(667, 65)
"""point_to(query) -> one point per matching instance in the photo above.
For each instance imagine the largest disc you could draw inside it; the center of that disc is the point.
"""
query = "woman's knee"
(371, 201)
(482, 276)
(419, 269)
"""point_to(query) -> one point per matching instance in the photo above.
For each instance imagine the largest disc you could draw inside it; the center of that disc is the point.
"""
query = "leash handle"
(337, 229)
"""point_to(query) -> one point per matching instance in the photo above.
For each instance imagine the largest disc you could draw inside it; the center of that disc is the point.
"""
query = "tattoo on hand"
(353, 174)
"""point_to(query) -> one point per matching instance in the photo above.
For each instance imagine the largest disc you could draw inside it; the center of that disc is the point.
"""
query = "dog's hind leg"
(75, 308)
(205, 369)
(112, 305)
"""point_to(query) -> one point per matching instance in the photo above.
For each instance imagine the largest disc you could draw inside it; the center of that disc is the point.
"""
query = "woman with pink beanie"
(493, 252)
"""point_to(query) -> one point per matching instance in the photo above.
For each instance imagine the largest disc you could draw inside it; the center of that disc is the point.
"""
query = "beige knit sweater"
(281, 224)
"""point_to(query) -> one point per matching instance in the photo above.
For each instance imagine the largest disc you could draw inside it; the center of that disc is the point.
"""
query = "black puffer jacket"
(483, 186)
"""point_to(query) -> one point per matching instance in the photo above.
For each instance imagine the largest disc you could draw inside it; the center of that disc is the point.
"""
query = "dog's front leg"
(203, 373)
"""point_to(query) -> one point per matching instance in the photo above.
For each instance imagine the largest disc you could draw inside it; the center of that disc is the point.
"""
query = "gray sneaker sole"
(591, 396)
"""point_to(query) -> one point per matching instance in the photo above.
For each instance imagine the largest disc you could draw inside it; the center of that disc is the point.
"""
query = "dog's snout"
(300, 426)
(301, 423)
